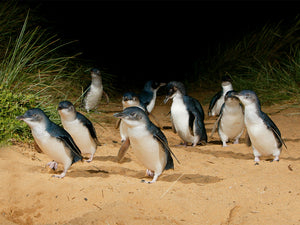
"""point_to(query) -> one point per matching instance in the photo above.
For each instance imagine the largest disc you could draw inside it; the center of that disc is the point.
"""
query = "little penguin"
(79, 127)
(52, 139)
(129, 99)
(93, 93)
(263, 133)
(148, 95)
(218, 99)
(231, 120)
(148, 142)
(187, 115)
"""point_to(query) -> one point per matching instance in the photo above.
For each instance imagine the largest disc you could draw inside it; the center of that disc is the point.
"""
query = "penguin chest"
(147, 149)
(93, 97)
(180, 118)
(51, 146)
(80, 135)
(232, 121)
(261, 137)
(152, 103)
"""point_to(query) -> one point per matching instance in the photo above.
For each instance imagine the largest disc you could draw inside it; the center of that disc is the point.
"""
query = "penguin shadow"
(292, 139)
(111, 158)
(190, 178)
(226, 153)
(88, 173)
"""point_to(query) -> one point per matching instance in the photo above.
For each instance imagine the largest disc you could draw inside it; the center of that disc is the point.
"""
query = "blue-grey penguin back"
(58, 132)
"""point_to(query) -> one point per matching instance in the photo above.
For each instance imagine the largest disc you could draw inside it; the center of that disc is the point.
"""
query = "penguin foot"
(52, 165)
(149, 173)
(256, 164)
(236, 141)
(90, 159)
(152, 181)
(224, 144)
(275, 160)
(60, 176)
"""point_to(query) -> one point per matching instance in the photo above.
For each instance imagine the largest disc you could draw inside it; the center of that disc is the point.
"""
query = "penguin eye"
(133, 114)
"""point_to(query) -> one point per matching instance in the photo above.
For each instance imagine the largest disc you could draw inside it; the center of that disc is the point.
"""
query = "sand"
(211, 185)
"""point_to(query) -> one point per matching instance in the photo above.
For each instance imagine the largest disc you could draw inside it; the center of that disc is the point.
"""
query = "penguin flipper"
(88, 124)
(118, 123)
(106, 96)
(62, 135)
(173, 126)
(195, 119)
(123, 149)
(216, 124)
(158, 135)
(69, 143)
(279, 137)
(271, 125)
(198, 107)
(213, 101)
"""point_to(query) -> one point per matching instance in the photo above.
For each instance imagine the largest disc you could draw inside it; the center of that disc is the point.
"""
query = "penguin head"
(133, 116)
(95, 73)
(248, 97)
(33, 117)
(226, 80)
(173, 88)
(66, 110)
(130, 99)
(231, 97)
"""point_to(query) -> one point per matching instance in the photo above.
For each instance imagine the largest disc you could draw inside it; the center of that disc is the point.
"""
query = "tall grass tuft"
(266, 61)
(32, 74)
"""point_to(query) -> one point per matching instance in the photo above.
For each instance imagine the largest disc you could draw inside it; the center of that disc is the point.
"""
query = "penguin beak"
(162, 84)
(119, 115)
(22, 117)
(235, 94)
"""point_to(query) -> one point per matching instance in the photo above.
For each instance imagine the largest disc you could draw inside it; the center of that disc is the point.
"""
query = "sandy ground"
(212, 185)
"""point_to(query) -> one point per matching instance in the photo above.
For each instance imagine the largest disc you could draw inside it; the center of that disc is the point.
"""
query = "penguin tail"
(77, 158)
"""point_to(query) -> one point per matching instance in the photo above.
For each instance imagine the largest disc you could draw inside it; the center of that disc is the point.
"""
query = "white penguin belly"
(262, 138)
(93, 97)
(147, 150)
(81, 136)
(55, 149)
(152, 103)
(232, 122)
(180, 118)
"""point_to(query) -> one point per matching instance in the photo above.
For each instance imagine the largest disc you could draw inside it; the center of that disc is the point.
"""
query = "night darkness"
(143, 40)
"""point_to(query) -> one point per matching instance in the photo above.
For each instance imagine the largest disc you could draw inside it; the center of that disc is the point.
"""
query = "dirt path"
(212, 185)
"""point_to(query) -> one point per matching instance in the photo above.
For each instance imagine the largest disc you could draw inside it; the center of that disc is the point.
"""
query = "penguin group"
(237, 113)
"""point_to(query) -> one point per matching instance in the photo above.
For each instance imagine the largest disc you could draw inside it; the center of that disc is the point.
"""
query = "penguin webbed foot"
(52, 165)
(256, 164)
(90, 159)
(62, 175)
(149, 173)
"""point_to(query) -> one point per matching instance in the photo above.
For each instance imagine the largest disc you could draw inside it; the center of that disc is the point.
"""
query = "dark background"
(141, 40)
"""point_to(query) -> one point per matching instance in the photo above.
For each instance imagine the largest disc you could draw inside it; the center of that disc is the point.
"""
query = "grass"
(34, 73)
(266, 61)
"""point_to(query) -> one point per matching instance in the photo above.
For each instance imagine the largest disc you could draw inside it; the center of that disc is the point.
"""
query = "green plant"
(266, 61)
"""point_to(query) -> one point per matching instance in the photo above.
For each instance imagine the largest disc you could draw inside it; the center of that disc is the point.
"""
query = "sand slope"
(212, 185)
